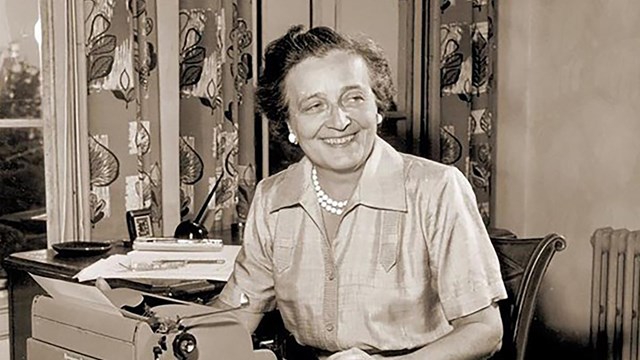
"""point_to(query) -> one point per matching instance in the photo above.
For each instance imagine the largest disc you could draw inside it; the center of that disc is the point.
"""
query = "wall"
(568, 158)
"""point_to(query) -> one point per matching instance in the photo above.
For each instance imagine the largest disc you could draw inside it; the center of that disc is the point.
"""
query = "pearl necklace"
(327, 203)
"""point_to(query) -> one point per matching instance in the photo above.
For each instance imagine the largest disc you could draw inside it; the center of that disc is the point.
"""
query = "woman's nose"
(339, 119)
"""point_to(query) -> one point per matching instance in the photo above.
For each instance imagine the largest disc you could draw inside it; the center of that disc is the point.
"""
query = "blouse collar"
(382, 184)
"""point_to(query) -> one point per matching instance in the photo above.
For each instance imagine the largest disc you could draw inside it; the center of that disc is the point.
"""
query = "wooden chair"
(523, 263)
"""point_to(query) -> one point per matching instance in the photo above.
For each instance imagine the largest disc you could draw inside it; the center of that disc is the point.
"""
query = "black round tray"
(81, 248)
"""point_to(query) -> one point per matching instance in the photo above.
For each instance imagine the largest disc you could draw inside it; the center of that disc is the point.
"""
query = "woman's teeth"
(339, 140)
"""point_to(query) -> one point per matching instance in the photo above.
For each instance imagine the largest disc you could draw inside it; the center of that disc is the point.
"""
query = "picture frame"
(139, 224)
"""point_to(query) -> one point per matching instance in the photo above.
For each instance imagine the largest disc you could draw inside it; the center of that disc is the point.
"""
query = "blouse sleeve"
(467, 268)
(252, 274)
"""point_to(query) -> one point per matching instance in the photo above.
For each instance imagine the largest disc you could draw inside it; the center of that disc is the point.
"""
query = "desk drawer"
(37, 350)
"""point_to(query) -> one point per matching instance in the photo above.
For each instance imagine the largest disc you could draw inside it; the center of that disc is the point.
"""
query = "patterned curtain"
(122, 80)
(216, 88)
(216, 69)
(467, 49)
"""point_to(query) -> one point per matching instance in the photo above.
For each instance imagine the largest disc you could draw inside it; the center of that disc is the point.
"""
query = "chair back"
(523, 263)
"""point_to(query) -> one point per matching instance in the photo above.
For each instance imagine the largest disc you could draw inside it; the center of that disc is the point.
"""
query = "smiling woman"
(334, 90)
(366, 251)
(391, 25)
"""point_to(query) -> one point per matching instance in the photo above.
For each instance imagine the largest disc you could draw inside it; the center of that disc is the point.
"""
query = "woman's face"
(332, 110)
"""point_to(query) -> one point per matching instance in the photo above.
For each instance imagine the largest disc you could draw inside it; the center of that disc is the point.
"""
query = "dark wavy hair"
(282, 54)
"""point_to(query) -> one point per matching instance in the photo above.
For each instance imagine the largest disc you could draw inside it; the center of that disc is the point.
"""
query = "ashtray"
(81, 248)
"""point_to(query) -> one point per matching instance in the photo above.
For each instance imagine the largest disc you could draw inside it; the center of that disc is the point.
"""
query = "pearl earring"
(379, 116)
(293, 139)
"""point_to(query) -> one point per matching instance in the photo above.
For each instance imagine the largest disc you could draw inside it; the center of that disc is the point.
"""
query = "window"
(22, 179)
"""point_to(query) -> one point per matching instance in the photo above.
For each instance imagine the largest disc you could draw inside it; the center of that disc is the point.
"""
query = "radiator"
(615, 294)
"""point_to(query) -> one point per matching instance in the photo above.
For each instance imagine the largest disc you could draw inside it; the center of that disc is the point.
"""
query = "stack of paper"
(76, 293)
(195, 265)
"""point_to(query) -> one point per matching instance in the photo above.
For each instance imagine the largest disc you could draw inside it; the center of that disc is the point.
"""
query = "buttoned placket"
(329, 332)
(331, 278)
(330, 298)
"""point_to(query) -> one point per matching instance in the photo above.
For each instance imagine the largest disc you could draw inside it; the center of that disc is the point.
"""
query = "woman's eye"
(354, 98)
(313, 107)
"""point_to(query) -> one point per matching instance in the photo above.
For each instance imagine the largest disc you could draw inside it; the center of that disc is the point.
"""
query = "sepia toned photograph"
(319, 179)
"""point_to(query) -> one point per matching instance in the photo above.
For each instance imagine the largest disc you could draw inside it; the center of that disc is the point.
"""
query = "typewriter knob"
(185, 347)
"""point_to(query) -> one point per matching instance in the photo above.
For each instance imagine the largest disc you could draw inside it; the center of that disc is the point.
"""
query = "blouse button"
(329, 327)
(331, 276)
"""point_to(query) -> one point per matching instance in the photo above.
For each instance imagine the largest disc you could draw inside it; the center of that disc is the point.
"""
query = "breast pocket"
(283, 254)
(388, 255)
(390, 229)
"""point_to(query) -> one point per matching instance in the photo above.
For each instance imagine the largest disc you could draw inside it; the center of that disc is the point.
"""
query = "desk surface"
(46, 262)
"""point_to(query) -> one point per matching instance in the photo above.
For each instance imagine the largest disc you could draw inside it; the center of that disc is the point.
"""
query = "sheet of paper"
(116, 266)
(76, 293)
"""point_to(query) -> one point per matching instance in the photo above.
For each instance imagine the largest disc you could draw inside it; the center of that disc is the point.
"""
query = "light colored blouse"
(411, 254)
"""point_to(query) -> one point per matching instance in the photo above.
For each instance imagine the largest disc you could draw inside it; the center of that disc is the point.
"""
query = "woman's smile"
(339, 141)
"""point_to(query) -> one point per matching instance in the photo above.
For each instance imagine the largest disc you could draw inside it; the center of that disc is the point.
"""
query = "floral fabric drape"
(467, 58)
(216, 67)
(216, 88)
(124, 131)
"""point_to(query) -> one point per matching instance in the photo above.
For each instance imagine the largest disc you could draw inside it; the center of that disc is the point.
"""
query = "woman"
(366, 252)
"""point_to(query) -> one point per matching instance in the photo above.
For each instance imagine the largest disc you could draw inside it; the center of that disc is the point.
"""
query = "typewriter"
(150, 328)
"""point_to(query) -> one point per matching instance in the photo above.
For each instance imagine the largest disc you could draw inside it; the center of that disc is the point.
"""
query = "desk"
(22, 288)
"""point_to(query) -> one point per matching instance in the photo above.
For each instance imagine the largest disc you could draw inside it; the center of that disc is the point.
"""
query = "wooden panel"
(279, 15)
(416, 74)
(378, 19)
(169, 110)
(430, 128)
(323, 13)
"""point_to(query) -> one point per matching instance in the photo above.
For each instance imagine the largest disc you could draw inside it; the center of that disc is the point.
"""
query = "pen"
(179, 241)
(203, 261)
(167, 264)
(211, 261)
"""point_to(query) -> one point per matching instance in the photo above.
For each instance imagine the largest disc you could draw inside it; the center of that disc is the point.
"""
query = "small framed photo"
(139, 223)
